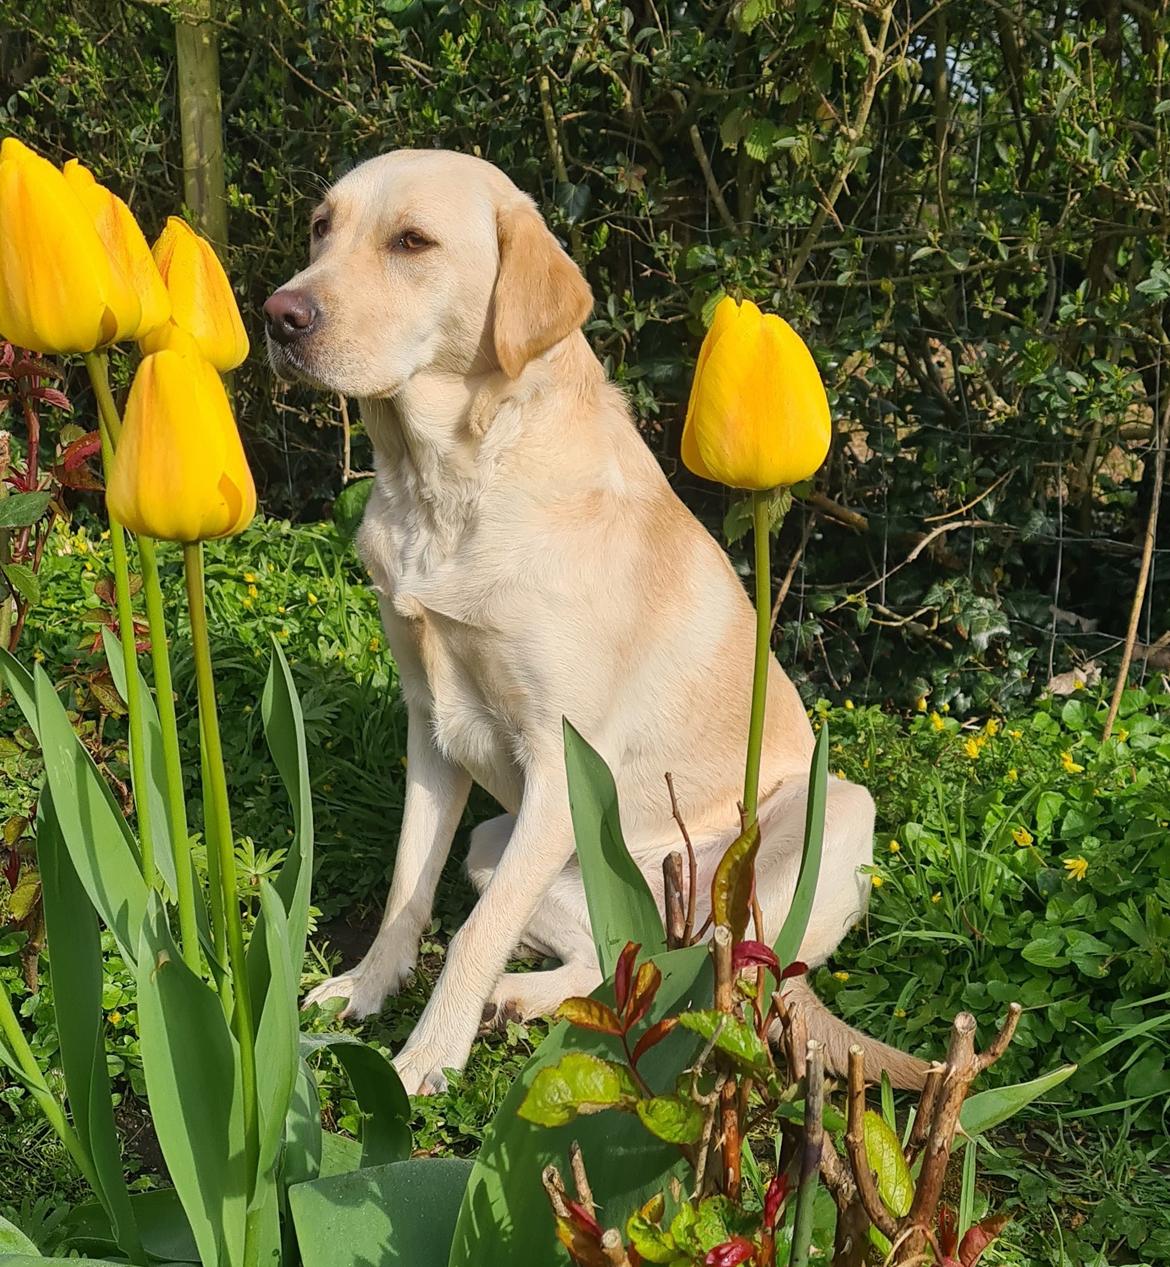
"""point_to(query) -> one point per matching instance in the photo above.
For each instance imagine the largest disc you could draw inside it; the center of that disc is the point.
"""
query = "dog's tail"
(906, 1072)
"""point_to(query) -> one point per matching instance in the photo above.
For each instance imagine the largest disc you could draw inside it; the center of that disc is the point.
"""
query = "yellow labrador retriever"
(532, 563)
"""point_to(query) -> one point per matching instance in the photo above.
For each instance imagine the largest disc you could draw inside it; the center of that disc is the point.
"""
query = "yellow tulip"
(180, 472)
(758, 416)
(138, 295)
(56, 285)
(202, 303)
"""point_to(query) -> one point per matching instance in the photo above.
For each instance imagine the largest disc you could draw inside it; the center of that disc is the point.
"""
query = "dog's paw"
(362, 996)
(496, 1016)
(422, 1068)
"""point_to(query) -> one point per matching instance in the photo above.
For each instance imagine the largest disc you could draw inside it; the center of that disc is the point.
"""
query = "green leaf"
(504, 1219)
(303, 1137)
(621, 906)
(76, 950)
(577, 1083)
(731, 889)
(19, 510)
(277, 1054)
(590, 1013)
(166, 1233)
(350, 506)
(14, 1241)
(732, 1036)
(398, 1215)
(91, 824)
(671, 1118)
(787, 945)
(23, 581)
(192, 1068)
(886, 1159)
(653, 1243)
(381, 1098)
(983, 1112)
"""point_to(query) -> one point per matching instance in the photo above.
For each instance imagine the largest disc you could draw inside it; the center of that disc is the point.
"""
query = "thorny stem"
(722, 943)
(810, 1162)
(97, 363)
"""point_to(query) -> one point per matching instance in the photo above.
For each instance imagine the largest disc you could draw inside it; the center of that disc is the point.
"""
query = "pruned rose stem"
(810, 1160)
(97, 364)
(863, 1172)
(722, 943)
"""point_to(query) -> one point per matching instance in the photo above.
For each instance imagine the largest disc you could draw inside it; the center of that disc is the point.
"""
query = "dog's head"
(423, 259)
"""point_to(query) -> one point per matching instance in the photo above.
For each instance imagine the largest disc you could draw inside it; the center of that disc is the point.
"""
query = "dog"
(533, 564)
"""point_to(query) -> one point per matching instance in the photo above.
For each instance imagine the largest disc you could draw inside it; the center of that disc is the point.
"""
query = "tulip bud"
(202, 303)
(138, 296)
(758, 416)
(55, 277)
(180, 473)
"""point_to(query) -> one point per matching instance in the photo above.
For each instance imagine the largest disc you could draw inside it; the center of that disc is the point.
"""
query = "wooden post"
(201, 117)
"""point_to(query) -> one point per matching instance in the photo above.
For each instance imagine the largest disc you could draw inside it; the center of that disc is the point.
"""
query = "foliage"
(961, 208)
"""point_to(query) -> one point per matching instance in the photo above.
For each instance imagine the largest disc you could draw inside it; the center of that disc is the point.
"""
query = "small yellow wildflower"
(936, 721)
(972, 748)
(895, 847)
(375, 644)
(250, 577)
(849, 706)
(1079, 685)
(115, 1018)
(991, 729)
(1070, 766)
(936, 898)
(1012, 775)
(1022, 836)
(900, 1013)
(252, 591)
(1122, 734)
(840, 774)
(920, 704)
(282, 634)
(1015, 734)
(946, 708)
(1077, 867)
(877, 881)
(840, 976)
(281, 609)
(246, 600)
(312, 599)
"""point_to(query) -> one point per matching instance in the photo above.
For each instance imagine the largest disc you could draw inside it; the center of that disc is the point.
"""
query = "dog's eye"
(410, 241)
(320, 228)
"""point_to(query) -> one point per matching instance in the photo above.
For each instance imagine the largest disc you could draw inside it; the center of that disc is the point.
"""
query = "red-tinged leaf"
(774, 1199)
(645, 987)
(795, 969)
(980, 1236)
(34, 368)
(652, 1037)
(50, 396)
(7, 354)
(81, 450)
(583, 1249)
(753, 954)
(737, 1250)
(12, 871)
(948, 1231)
(80, 478)
(623, 973)
(582, 1219)
(590, 1014)
(731, 886)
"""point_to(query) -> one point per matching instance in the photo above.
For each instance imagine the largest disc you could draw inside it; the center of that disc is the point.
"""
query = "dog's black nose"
(289, 315)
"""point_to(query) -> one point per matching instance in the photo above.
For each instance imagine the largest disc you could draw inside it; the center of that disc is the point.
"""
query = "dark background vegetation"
(961, 206)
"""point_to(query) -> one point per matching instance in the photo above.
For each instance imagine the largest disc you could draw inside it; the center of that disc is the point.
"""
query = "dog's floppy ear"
(540, 294)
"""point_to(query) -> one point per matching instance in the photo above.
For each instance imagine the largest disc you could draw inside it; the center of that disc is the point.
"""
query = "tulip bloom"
(202, 303)
(58, 292)
(180, 472)
(140, 298)
(758, 416)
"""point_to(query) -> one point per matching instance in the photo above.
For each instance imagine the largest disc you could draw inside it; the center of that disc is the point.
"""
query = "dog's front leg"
(436, 794)
(540, 845)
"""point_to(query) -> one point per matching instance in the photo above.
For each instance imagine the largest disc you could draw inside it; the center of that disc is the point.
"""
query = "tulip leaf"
(192, 1068)
(22, 580)
(14, 1241)
(621, 907)
(987, 1109)
(276, 1034)
(400, 1213)
(20, 510)
(76, 950)
(91, 824)
(380, 1095)
(303, 1136)
(787, 945)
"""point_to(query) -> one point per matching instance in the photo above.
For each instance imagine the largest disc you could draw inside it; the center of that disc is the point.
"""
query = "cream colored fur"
(532, 563)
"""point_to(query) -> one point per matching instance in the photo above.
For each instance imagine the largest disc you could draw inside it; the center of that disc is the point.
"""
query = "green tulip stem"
(97, 363)
(22, 1055)
(751, 782)
(172, 760)
(224, 843)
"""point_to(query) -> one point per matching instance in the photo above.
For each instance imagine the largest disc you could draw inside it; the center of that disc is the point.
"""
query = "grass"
(1015, 858)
